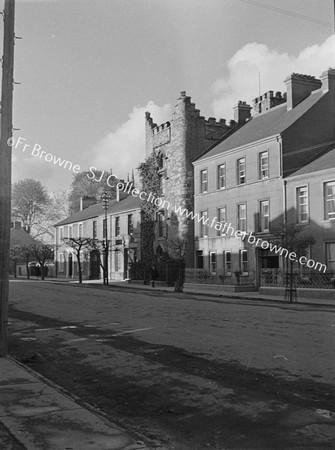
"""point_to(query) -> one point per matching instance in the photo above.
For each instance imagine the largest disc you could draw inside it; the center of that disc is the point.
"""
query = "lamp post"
(105, 197)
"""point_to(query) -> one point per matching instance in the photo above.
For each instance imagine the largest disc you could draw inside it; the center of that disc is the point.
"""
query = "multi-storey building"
(176, 144)
(123, 234)
(242, 180)
(310, 198)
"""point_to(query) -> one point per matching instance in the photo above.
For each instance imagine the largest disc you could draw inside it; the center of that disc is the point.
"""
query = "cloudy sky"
(89, 69)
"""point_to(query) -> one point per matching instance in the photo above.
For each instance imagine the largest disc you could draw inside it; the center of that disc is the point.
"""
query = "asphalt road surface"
(184, 371)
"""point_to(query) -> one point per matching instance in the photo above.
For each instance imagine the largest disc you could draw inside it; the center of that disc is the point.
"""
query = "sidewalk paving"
(219, 295)
(35, 414)
(211, 294)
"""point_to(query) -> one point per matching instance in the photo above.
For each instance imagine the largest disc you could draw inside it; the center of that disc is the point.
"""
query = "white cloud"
(123, 149)
(242, 81)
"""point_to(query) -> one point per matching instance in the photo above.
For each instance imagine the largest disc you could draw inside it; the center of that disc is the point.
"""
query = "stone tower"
(177, 143)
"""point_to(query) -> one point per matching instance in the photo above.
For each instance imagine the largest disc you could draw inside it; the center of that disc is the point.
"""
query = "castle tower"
(177, 143)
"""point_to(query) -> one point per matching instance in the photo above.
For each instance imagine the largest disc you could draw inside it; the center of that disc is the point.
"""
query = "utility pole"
(6, 130)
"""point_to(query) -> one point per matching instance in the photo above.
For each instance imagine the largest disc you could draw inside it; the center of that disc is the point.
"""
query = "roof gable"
(267, 124)
(326, 161)
(97, 210)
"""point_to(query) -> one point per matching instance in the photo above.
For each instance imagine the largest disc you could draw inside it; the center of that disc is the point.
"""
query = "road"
(185, 371)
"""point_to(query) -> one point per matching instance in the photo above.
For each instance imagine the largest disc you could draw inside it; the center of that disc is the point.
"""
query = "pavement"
(36, 414)
(221, 295)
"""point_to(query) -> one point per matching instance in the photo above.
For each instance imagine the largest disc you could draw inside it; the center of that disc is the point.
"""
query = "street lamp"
(105, 197)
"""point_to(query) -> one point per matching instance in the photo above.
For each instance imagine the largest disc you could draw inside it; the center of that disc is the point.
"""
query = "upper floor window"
(61, 233)
(203, 224)
(222, 216)
(263, 165)
(329, 200)
(160, 161)
(241, 171)
(80, 230)
(94, 231)
(117, 226)
(242, 217)
(221, 176)
(130, 224)
(70, 231)
(264, 216)
(302, 204)
(203, 181)
(161, 223)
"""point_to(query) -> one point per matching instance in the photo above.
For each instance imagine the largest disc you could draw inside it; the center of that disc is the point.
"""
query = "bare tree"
(21, 252)
(78, 244)
(42, 253)
(177, 249)
(99, 246)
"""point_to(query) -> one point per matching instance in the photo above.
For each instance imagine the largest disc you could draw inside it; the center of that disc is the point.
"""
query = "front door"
(94, 266)
(70, 266)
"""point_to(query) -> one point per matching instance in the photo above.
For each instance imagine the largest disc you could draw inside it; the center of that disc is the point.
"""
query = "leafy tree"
(42, 252)
(78, 244)
(57, 209)
(29, 200)
(176, 248)
(151, 183)
(90, 184)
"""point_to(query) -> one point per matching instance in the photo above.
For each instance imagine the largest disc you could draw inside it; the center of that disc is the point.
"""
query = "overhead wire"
(289, 13)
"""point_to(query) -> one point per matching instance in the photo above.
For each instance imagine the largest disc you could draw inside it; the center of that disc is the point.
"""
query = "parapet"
(267, 101)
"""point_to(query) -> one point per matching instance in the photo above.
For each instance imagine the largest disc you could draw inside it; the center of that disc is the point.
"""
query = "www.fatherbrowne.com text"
(225, 228)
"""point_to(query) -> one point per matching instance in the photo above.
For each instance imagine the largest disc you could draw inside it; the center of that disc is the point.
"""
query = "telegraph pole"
(6, 130)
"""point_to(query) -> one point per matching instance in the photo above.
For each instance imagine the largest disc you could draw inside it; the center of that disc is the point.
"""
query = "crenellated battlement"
(160, 134)
(160, 128)
(268, 100)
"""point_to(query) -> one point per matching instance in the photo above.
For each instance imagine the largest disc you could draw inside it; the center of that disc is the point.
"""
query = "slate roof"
(19, 237)
(326, 161)
(267, 124)
(97, 210)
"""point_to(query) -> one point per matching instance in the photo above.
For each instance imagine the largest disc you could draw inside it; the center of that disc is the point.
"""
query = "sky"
(89, 69)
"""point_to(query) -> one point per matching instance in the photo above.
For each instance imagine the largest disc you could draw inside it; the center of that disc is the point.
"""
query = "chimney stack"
(328, 80)
(124, 192)
(86, 201)
(242, 112)
(300, 87)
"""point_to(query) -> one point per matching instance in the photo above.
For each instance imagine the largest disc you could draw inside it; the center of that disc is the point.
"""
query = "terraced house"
(123, 235)
(276, 170)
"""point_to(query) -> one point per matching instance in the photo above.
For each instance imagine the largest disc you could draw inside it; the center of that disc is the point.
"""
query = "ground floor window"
(268, 260)
(227, 262)
(199, 259)
(244, 260)
(117, 261)
(330, 254)
(212, 258)
(61, 262)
